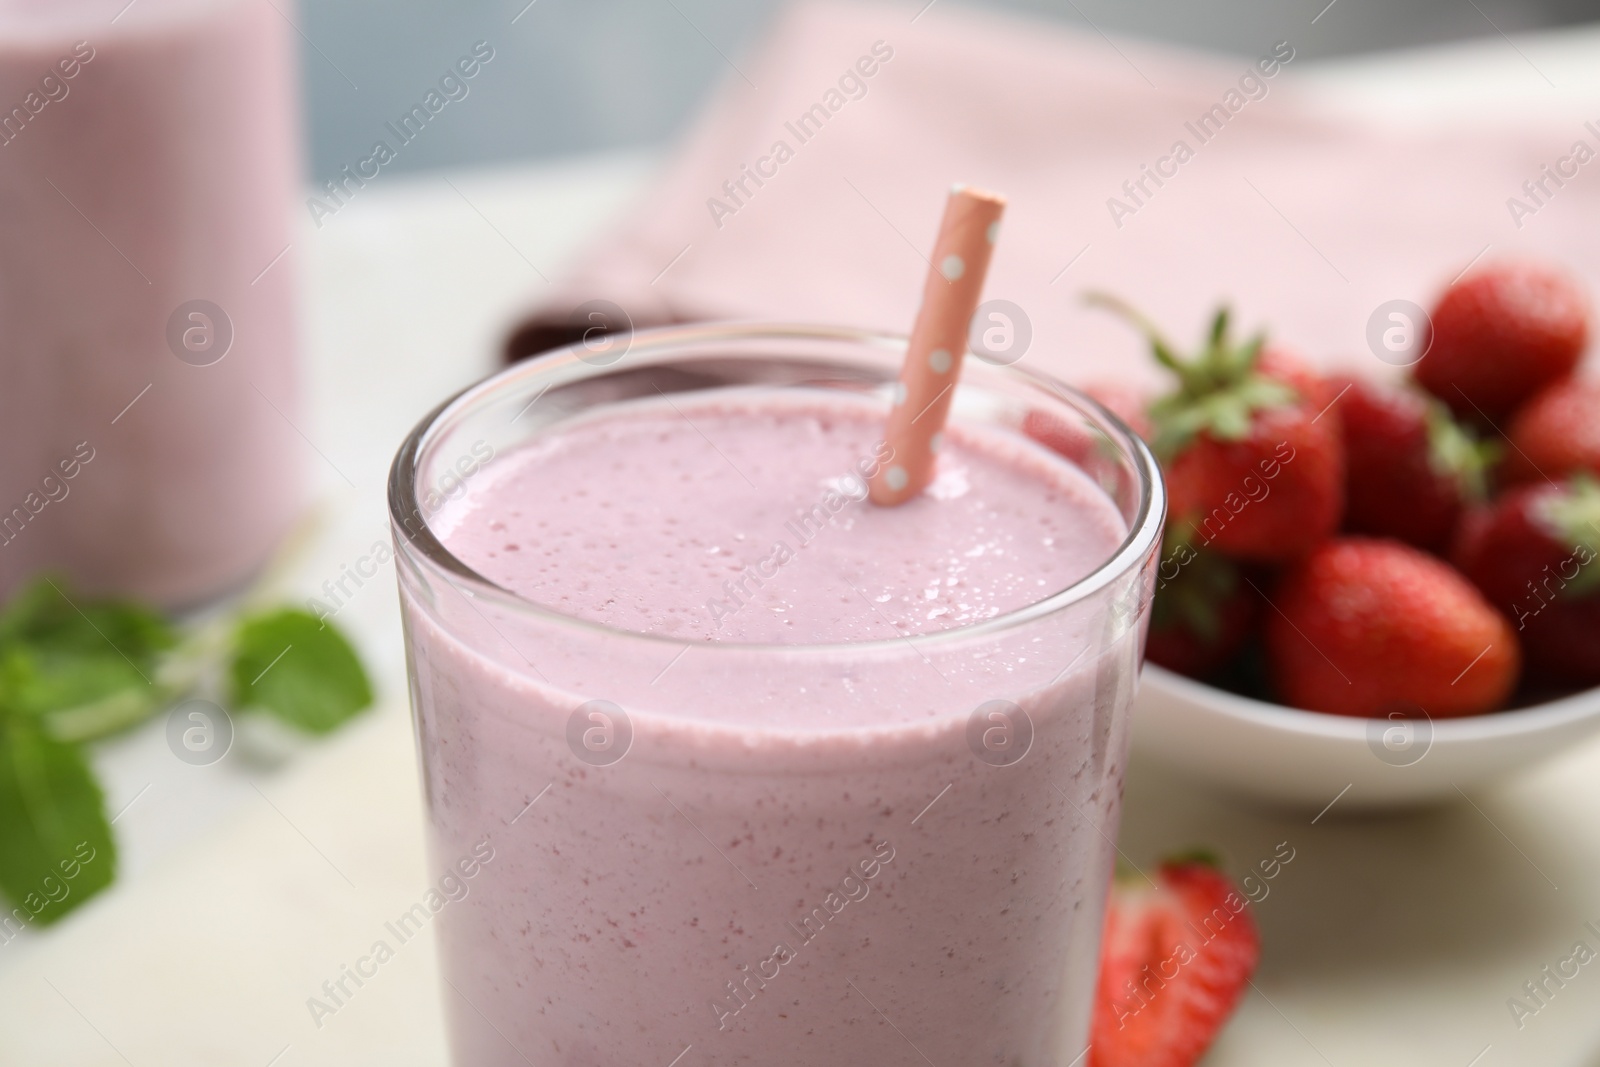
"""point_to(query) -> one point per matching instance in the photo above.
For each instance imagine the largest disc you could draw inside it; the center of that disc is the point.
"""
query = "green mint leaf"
(78, 695)
(47, 615)
(36, 680)
(56, 849)
(88, 666)
(113, 712)
(297, 668)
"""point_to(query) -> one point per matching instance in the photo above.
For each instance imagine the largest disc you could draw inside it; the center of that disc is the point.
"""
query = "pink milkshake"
(148, 168)
(772, 775)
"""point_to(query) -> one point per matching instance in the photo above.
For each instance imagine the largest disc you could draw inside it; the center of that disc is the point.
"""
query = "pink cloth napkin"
(1304, 221)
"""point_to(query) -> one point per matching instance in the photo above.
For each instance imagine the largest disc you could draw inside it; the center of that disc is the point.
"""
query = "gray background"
(582, 75)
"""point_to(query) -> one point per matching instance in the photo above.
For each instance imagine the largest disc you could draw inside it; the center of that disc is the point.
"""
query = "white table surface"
(246, 884)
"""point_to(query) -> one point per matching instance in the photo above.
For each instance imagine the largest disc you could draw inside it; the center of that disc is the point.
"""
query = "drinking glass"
(663, 865)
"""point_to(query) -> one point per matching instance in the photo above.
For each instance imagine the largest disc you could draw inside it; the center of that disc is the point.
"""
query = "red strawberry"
(1204, 611)
(1125, 402)
(1533, 555)
(1410, 470)
(1555, 434)
(1077, 439)
(1367, 627)
(1252, 462)
(1500, 335)
(1173, 963)
(1286, 367)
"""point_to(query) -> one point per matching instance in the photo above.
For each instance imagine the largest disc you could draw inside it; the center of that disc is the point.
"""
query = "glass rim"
(1144, 530)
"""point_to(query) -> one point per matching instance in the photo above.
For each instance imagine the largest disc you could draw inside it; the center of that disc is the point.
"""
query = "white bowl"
(1305, 759)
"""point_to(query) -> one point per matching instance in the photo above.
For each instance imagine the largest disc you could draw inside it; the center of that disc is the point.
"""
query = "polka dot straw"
(938, 341)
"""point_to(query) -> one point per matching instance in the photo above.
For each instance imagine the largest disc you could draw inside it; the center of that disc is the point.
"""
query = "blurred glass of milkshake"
(149, 163)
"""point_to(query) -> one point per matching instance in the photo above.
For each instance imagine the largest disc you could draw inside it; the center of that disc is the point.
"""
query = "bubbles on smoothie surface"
(747, 522)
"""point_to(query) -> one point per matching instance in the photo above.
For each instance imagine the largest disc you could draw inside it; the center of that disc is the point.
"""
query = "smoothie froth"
(750, 524)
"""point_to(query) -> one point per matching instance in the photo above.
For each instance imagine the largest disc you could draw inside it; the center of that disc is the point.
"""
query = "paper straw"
(938, 341)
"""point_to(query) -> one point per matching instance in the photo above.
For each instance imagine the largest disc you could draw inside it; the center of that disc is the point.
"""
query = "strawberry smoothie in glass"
(149, 165)
(769, 773)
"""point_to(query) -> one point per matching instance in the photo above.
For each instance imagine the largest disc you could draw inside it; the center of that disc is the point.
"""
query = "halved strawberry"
(1174, 961)
(1251, 450)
